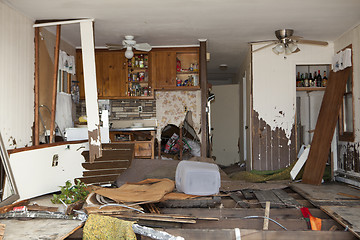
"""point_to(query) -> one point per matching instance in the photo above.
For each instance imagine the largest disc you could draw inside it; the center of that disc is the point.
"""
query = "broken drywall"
(274, 90)
(43, 170)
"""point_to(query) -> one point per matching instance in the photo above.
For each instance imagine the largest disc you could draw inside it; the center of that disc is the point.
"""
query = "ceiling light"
(279, 48)
(292, 47)
(223, 66)
(129, 53)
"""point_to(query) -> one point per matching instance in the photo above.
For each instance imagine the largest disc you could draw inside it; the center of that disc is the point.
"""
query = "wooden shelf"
(187, 88)
(310, 88)
(188, 72)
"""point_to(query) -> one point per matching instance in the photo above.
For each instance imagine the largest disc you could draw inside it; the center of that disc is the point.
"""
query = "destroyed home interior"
(180, 119)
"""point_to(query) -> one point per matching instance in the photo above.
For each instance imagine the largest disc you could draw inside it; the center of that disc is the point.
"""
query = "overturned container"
(197, 178)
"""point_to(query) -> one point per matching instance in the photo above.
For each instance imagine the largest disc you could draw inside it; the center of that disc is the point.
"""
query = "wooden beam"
(36, 88)
(55, 76)
(204, 90)
(91, 100)
(249, 234)
(325, 127)
(68, 90)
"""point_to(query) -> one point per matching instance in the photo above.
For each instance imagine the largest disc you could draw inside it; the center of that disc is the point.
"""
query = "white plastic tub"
(197, 178)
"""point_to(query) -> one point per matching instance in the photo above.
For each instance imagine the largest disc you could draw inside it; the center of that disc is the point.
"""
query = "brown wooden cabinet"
(115, 76)
(165, 71)
(110, 74)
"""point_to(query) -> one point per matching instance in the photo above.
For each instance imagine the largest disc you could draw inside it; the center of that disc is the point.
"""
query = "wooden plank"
(248, 194)
(204, 95)
(348, 217)
(268, 195)
(103, 172)
(249, 234)
(278, 213)
(55, 76)
(50, 229)
(108, 155)
(36, 89)
(118, 146)
(325, 127)
(239, 201)
(91, 99)
(106, 165)
(286, 198)
(98, 179)
(257, 223)
(192, 203)
(267, 215)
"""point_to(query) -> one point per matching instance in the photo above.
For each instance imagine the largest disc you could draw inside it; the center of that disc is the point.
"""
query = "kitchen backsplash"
(126, 109)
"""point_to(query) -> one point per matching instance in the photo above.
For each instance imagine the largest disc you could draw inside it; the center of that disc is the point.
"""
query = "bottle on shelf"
(298, 82)
(306, 80)
(324, 80)
(318, 79)
(311, 80)
(302, 80)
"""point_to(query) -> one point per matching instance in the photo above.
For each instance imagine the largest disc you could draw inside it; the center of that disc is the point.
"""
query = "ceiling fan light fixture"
(279, 48)
(292, 47)
(129, 53)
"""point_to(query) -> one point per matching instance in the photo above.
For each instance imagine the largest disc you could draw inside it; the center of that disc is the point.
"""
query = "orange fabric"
(315, 223)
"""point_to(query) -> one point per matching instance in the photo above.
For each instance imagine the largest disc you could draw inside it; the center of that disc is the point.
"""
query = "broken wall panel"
(52, 166)
(272, 149)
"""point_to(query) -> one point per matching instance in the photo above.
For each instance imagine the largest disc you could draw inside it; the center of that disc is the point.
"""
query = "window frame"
(347, 136)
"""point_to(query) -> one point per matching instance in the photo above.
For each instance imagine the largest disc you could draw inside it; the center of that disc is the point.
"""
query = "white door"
(225, 122)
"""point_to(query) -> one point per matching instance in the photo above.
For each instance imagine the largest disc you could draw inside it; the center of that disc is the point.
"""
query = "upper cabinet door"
(163, 69)
(112, 73)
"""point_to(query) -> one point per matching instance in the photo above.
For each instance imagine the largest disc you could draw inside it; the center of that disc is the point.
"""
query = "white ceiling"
(228, 25)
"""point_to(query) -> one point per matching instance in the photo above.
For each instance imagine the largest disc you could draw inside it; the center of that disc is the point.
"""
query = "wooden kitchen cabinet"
(110, 74)
(165, 71)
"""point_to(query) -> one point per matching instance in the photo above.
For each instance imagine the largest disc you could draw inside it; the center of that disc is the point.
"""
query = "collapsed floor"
(239, 208)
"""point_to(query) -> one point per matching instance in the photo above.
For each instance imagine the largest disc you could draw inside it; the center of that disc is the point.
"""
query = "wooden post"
(267, 215)
(55, 76)
(204, 90)
(91, 100)
(68, 83)
(36, 88)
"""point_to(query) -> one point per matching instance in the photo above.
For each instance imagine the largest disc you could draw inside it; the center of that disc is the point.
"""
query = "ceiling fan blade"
(142, 47)
(267, 45)
(295, 37)
(304, 41)
(263, 41)
(114, 46)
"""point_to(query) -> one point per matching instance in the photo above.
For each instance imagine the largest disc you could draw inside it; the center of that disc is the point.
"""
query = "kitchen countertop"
(130, 129)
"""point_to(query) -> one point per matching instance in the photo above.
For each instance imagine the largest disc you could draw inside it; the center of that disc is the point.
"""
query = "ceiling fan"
(287, 42)
(129, 43)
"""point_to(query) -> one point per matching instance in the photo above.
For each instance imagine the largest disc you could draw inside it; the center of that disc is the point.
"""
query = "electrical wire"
(249, 217)
(120, 205)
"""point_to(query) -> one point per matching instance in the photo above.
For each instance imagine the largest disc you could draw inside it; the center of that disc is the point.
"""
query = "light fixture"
(279, 48)
(292, 47)
(129, 53)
